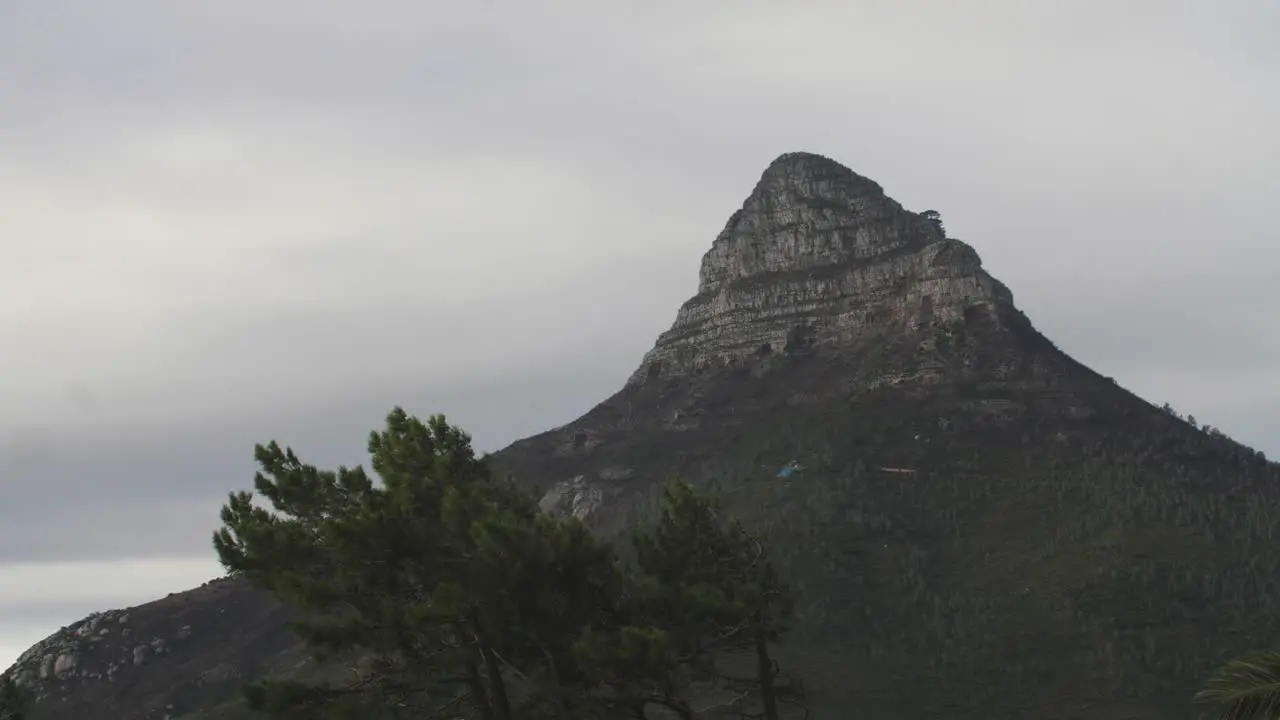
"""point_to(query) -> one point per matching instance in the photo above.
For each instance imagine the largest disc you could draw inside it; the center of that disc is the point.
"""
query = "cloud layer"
(222, 223)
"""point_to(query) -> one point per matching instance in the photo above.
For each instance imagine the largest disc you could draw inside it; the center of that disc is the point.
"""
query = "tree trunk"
(565, 705)
(500, 704)
(764, 668)
(497, 686)
(478, 693)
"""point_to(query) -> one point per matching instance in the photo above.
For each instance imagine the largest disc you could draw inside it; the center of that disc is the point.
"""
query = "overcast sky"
(225, 222)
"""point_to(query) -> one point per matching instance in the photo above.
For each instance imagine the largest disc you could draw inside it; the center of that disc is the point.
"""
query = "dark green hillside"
(1057, 546)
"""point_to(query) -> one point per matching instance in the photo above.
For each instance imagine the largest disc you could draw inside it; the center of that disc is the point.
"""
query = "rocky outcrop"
(156, 660)
(819, 256)
(80, 652)
(572, 498)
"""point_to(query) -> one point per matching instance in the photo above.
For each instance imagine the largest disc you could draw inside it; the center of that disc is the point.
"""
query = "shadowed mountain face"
(976, 525)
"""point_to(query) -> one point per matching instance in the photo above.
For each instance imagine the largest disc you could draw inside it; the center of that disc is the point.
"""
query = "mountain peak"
(819, 255)
(802, 167)
(806, 211)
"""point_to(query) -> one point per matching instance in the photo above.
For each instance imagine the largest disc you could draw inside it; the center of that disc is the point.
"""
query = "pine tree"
(703, 591)
(446, 591)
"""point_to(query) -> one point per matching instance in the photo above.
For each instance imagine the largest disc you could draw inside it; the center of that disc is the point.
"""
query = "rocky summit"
(975, 525)
(820, 256)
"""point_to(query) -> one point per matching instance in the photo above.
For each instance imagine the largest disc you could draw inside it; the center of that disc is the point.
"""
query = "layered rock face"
(819, 256)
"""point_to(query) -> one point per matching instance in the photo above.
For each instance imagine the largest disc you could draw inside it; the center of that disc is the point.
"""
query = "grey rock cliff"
(819, 256)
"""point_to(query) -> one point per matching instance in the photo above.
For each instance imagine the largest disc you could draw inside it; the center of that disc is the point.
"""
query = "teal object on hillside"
(790, 469)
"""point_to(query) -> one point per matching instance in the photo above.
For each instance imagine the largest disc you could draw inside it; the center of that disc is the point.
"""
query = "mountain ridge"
(981, 526)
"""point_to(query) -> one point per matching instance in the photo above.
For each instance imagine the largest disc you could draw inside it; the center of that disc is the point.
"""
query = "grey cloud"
(36, 599)
(524, 198)
(148, 489)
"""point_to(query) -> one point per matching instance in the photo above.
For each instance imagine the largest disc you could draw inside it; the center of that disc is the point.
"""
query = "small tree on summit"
(934, 217)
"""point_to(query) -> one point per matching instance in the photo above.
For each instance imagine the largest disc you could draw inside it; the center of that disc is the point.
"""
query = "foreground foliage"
(446, 592)
(1246, 689)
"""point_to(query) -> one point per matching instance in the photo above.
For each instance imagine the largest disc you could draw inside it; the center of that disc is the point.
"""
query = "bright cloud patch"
(38, 598)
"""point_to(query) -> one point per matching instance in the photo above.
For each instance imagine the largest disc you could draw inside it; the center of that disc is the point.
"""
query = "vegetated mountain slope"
(1026, 561)
(982, 526)
(976, 525)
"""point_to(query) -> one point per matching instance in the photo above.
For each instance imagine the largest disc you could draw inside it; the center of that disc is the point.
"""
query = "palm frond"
(1246, 689)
